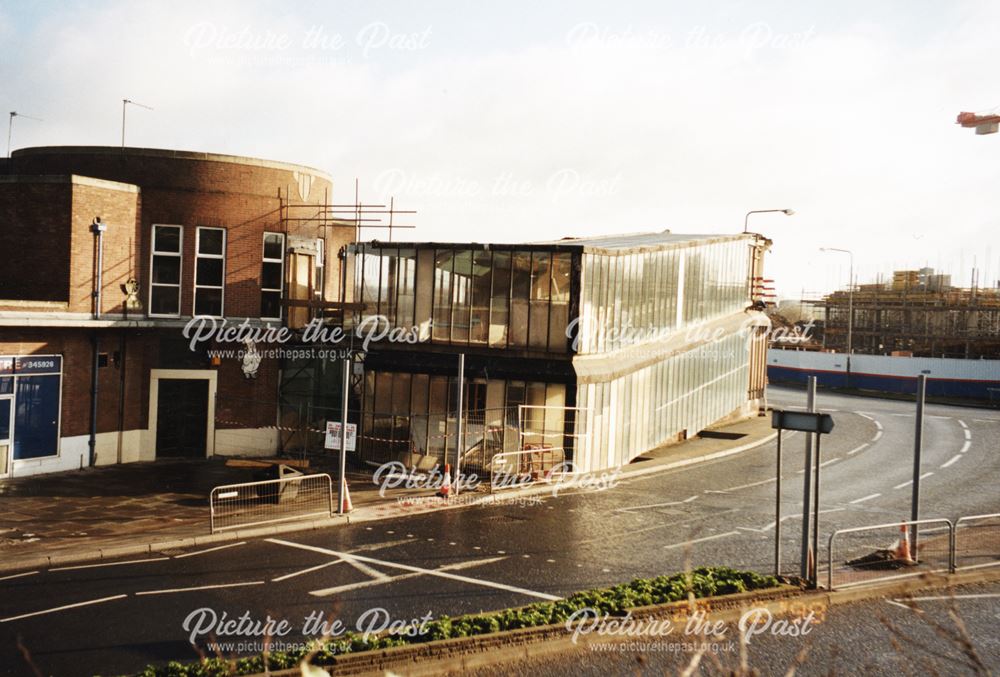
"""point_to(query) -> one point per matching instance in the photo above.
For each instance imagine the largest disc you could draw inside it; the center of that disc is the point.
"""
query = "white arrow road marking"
(202, 552)
(701, 540)
(198, 587)
(951, 460)
(407, 567)
(909, 482)
(326, 592)
(63, 608)
(866, 498)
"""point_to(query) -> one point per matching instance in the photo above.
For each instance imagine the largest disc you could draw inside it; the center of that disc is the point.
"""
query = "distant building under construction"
(918, 313)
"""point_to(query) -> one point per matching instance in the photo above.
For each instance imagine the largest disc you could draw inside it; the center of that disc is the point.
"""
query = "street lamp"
(850, 305)
(786, 212)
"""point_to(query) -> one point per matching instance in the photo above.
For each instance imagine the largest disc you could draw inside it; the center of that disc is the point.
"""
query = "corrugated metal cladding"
(978, 379)
(629, 300)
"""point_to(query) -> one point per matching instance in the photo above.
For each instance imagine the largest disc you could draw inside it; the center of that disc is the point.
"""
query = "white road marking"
(407, 567)
(903, 415)
(198, 587)
(857, 449)
(909, 482)
(904, 606)
(965, 447)
(63, 608)
(742, 486)
(110, 564)
(866, 498)
(962, 423)
(864, 415)
(951, 460)
(202, 552)
(657, 505)
(701, 540)
(821, 465)
(878, 425)
(21, 575)
(984, 420)
(367, 570)
(878, 435)
(945, 598)
(306, 571)
(326, 592)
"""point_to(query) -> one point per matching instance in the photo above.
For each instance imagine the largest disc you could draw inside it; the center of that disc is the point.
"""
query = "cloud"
(591, 125)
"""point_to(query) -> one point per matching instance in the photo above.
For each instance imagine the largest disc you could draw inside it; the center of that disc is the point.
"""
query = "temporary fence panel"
(875, 553)
(513, 469)
(977, 541)
(248, 504)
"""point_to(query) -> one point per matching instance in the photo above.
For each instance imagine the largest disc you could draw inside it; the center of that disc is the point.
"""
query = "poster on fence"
(333, 435)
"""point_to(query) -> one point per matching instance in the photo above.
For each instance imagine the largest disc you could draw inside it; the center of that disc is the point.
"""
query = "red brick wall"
(194, 190)
(34, 236)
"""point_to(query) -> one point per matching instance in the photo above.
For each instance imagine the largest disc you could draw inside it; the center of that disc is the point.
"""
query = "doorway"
(182, 417)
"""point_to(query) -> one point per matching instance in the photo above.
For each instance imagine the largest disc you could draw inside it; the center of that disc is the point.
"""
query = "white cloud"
(672, 124)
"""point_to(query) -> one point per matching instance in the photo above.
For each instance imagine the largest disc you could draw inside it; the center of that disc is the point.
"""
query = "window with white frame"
(272, 276)
(165, 271)
(210, 271)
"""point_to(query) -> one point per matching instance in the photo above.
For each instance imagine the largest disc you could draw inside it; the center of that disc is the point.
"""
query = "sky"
(521, 121)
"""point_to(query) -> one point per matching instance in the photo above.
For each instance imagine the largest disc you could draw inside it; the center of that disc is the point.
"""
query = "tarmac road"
(117, 617)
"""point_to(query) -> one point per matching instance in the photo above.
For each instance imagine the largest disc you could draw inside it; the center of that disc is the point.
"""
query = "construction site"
(918, 313)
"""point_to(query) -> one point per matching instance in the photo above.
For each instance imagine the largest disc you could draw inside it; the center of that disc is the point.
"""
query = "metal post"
(342, 481)
(777, 513)
(805, 571)
(918, 443)
(459, 443)
(815, 534)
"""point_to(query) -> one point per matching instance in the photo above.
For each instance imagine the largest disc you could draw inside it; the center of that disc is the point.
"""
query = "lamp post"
(746, 219)
(850, 305)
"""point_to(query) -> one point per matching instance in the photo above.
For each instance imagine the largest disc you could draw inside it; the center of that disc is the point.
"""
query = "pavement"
(518, 549)
(114, 511)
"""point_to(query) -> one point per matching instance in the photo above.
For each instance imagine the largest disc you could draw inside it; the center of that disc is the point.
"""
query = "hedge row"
(701, 582)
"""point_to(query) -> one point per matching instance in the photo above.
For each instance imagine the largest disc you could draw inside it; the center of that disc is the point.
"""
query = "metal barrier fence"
(865, 557)
(977, 542)
(249, 504)
(513, 469)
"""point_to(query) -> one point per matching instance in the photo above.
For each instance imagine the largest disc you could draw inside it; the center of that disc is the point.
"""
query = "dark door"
(181, 417)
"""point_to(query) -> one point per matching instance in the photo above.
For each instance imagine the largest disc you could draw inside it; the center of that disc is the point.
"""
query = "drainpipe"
(97, 228)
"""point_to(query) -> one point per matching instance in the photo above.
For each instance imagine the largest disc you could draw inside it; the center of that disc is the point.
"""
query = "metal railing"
(514, 469)
(875, 562)
(977, 542)
(250, 504)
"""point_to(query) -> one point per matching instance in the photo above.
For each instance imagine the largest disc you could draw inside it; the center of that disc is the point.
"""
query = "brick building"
(109, 252)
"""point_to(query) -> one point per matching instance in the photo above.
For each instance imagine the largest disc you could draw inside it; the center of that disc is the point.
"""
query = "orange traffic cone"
(902, 551)
(348, 505)
(446, 482)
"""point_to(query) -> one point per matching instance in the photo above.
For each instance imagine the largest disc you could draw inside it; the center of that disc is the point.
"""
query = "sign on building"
(333, 436)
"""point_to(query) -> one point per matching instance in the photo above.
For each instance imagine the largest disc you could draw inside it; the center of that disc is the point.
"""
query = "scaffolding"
(962, 323)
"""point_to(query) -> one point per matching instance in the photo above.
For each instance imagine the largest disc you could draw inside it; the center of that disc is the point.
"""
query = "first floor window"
(210, 271)
(272, 276)
(165, 271)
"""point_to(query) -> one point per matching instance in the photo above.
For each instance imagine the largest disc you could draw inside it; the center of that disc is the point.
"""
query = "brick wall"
(35, 235)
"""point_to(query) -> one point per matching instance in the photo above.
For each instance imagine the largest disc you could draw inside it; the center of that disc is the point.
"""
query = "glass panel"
(442, 295)
(36, 417)
(211, 241)
(273, 246)
(521, 289)
(406, 270)
(271, 276)
(540, 290)
(482, 272)
(501, 299)
(167, 239)
(5, 405)
(166, 269)
(210, 272)
(270, 304)
(164, 301)
(461, 294)
(208, 302)
(559, 312)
